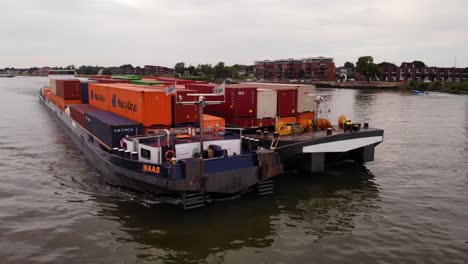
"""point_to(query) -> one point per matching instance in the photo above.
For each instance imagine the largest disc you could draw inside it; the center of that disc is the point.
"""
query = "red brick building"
(316, 69)
(409, 71)
(151, 70)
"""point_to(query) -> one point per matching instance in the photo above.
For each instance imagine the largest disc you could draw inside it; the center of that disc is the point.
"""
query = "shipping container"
(126, 77)
(99, 96)
(287, 120)
(243, 122)
(266, 103)
(78, 112)
(305, 103)
(287, 102)
(147, 82)
(103, 80)
(211, 122)
(239, 101)
(186, 114)
(141, 104)
(265, 122)
(110, 128)
(68, 89)
(61, 103)
(84, 90)
(53, 86)
(50, 96)
(305, 116)
(208, 89)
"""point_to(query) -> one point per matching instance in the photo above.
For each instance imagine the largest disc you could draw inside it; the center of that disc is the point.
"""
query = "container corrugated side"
(68, 89)
(186, 113)
(105, 80)
(78, 112)
(240, 102)
(213, 122)
(84, 90)
(53, 86)
(110, 128)
(305, 103)
(265, 122)
(208, 89)
(287, 102)
(99, 96)
(266, 103)
(147, 106)
(61, 103)
(243, 122)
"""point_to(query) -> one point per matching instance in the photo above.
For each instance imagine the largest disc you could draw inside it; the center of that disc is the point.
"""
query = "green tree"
(107, 71)
(418, 64)
(366, 66)
(180, 68)
(349, 64)
(220, 70)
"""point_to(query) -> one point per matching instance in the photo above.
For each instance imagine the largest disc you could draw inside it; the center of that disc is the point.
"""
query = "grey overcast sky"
(139, 32)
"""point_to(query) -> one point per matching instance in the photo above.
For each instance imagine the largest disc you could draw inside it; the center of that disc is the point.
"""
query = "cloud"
(114, 32)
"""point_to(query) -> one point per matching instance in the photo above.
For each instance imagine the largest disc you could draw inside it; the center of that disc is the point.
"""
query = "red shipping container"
(68, 89)
(186, 113)
(208, 89)
(244, 122)
(264, 122)
(78, 112)
(287, 102)
(240, 101)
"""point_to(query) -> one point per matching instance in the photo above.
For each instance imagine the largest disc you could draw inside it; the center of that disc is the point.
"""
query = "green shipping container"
(126, 77)
(146, 82)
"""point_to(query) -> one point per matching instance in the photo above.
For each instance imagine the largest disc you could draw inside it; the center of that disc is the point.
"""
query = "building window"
(146, 154)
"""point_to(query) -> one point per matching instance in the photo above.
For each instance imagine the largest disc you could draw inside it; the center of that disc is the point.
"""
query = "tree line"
(208, 71)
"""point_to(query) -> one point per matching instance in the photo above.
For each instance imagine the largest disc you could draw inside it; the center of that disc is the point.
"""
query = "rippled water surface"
(408, 206)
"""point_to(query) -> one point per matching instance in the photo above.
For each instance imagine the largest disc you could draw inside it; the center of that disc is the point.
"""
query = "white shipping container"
(305, 103)
(266, 103)
(53, 86)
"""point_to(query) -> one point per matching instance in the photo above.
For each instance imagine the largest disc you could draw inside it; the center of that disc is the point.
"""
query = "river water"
(408, 206)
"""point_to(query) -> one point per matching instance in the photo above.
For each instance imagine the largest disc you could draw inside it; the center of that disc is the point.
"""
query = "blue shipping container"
(84, 90)
(111, 128)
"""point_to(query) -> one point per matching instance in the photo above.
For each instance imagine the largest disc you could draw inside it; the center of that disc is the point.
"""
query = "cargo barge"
(166, 164)
(143, 138)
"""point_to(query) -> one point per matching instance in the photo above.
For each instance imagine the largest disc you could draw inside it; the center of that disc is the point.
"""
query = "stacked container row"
(150, 107)
(305, 103)
(110, 128)
(84, 90)
(239, 101)
(78, 112)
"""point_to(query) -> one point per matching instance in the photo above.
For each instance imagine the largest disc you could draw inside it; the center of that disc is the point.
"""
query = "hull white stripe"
(342, 145)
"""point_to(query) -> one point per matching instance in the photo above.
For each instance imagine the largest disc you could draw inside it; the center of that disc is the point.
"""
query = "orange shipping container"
(213, 122)
(99, 96)
(305, 115)
(143, 105)
(287, 120)
(61, 103)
